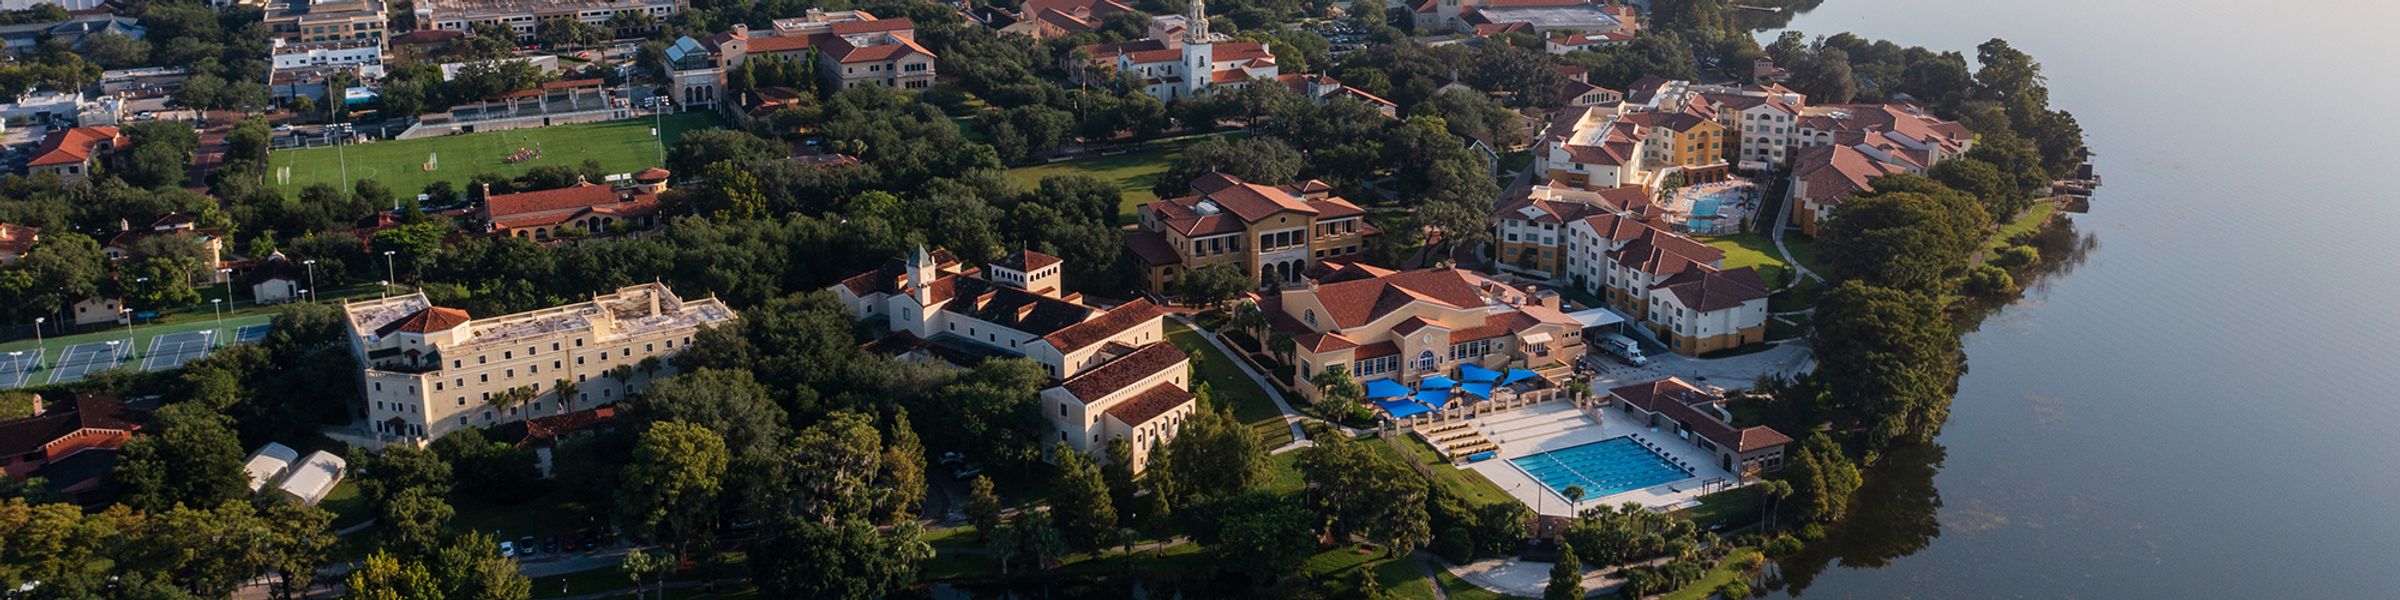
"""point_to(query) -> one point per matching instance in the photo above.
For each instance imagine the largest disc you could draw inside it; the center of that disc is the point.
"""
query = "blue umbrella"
(1516, 375)
(1401, 409)
(1473, 373)
(1437, 382)
(1386, 388)
(1480, 390)
(1434, 398)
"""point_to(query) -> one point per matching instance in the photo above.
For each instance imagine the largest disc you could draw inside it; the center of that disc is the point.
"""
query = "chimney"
(487, 191)
(37, 409)
(741, 30)
(124, 225)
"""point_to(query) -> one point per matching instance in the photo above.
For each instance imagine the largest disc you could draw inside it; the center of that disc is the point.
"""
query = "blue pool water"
(1603, 468)
(1706, 207)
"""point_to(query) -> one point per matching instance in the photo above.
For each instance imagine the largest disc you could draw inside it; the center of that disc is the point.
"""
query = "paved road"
(1786, 358)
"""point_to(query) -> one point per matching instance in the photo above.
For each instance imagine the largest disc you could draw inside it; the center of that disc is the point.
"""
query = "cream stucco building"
(431, 370)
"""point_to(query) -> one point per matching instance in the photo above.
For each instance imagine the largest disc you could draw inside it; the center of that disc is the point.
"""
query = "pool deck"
(1556, 425)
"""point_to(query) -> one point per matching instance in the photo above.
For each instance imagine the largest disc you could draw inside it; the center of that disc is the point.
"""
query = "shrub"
(2014, 257)
(1734, 590)
(1989, 281)
(1456, 545)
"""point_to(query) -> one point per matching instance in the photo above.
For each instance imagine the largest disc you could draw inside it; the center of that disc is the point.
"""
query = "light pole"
(12, 359)
(128, 314)
(228, 275)
(217, 305)
(312, 277)
(659, 116)
(388, 274)
(37, 341)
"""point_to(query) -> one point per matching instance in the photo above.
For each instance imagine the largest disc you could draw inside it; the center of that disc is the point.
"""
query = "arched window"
(1309, 315)
(1425, 360)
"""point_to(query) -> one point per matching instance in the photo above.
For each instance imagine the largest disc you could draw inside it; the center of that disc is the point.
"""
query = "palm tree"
(511, 397)
(566, 392)
(1249, 319)
(1574, 494)
(650, 366)
(1775, 490)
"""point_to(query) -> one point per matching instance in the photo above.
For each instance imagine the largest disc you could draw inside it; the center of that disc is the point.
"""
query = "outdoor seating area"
(1438, 392)
(1714, 208)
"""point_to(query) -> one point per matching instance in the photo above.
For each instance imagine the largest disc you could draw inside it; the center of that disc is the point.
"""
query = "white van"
(1624, 348)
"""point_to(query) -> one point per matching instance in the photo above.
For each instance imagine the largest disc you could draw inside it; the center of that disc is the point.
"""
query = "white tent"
(1597, 317)
(314, 477)
(269, 463)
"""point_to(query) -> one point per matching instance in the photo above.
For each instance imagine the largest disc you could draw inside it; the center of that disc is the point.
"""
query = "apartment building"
(851, 48)
(366, 56)
(1272, 233)
(1674, 287)
(1843, 147)
(1113, 374)
(525, 16)
(431, 370)
(1404, 326)
(1530, 228)
(327, 20)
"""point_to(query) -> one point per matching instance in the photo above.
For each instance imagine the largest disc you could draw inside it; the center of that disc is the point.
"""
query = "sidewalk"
(1291, 417)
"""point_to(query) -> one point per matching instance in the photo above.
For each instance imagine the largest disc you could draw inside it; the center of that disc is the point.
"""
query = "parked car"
(525, 546)
(966, 470)
(507, 548)
(952, 458)
(1624, 348)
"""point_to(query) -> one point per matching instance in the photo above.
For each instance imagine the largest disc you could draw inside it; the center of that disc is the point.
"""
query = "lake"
(2205, 405)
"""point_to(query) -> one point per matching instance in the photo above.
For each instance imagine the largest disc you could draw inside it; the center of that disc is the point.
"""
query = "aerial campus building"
(431, 370)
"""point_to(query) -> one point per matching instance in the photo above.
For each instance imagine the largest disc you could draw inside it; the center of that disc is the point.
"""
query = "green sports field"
(621, 147)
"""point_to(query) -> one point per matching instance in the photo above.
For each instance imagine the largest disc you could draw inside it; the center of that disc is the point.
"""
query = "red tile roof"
(31, 434)
(1676, 399)
(1124, 317)
(71, 146)
(1149, 404)
(429, 320)
(1354, 303)
(1710, 290)
(1833, 173)
(1109, 378)
(1323, 342)
(1152, 249)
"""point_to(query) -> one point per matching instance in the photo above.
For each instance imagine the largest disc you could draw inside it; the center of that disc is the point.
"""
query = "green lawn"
(1734, 508)
(1465, 484)
(1399, 576)
(1751, 250)
(621, 146)
(2030, 220)
(347, 506)
(549, 514)
(1725, 572)
(1135, 172)
(1227, 384)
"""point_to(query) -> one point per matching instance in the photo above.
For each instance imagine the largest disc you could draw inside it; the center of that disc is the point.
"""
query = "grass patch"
(621, 146)
(582, 582)
(1399, 576)
(2026, 222)
(542, 516)
(347, 506)
(1730, 509)
(1463, 483)
(1227, 384)
(1459, 589)
(1283, 473)
(1784, 328)
(1134, 172)
(1751, 250)
(1725, 572)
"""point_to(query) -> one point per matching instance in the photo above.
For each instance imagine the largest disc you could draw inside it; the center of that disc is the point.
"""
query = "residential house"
(585, 208)
(1272, 233)
(1699, 417)
(1112, 372)
(72, 447)
(1404, 326)
(276, 280)
(127, 243)
(430, 370)
(73, 153)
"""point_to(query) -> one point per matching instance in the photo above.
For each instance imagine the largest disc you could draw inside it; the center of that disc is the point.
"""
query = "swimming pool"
(1603, 468)
(1706, 207)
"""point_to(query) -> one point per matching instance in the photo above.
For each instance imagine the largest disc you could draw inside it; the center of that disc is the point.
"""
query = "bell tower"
(1198, 58)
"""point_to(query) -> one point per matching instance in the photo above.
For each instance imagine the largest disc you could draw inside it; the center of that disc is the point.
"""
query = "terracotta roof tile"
(1149, 404)
(1709, 290)
(30, 434)
(1676, 399)
(71, 146)
(429, 320)
(1124, 317)
(1109, 378)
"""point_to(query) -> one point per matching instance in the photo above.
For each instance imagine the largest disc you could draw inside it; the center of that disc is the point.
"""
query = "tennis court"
(252, 334)
(17, 367)
(85, 359)
(171, 350)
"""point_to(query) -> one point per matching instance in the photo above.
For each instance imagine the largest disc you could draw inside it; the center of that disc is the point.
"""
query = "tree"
(1117, 473)
(1338, 397)
(1888, 360)
(1215, 455)
(848, 558)
(1822, 479)
(1262, 535)
(834, 464)
(1566, 576)
(641, 564)
(566, 32)
(302, 541)
(1261, 161)
(903, 470)
(993, 411)
(670, 488)
(468, 567)
(413, 519)
(385, 577)
(983, 507)
(1905, 240)
(1212, 285)
(1358, 491)
(1774, 490)
(1080, 501)
(194, 460)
